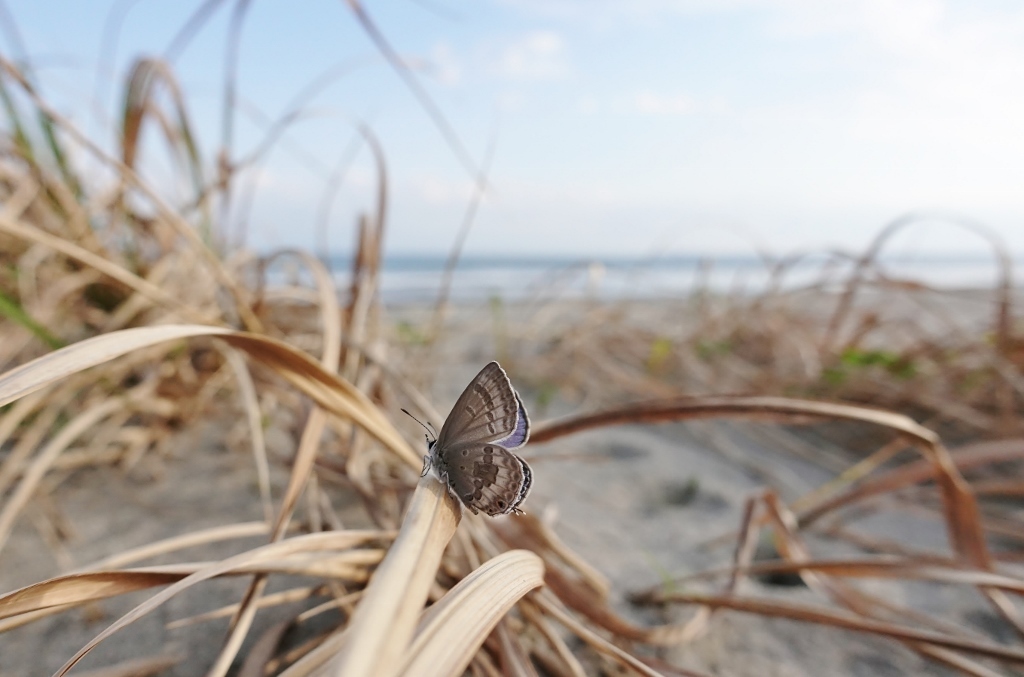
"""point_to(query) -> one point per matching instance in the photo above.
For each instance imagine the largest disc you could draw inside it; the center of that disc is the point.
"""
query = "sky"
(607, 128)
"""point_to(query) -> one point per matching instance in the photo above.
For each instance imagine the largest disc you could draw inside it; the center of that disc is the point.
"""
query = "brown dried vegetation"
(125, 317)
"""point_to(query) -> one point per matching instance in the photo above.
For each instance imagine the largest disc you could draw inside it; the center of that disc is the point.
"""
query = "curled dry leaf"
(452, 630)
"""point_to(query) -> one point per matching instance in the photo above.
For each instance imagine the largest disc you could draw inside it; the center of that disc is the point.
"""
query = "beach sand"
(640, 503)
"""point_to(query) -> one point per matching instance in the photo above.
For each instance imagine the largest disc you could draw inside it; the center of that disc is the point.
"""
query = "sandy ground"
(638, 502)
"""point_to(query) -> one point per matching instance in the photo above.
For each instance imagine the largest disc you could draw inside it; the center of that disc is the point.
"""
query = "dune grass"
(126, 317)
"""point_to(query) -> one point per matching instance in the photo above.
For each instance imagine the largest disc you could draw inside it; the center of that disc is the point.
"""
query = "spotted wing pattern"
(472, 453)
(488, 411)
(486, 477)
(521, 433)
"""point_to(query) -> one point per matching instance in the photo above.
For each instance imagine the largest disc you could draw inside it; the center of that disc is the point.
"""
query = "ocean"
(416, 279)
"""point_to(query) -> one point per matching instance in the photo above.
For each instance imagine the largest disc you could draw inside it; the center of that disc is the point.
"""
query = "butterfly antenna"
(430, 430)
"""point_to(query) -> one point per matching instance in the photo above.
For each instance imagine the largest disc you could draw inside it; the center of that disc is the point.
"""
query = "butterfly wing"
(521, 433)
(488, 411)
(486, 477)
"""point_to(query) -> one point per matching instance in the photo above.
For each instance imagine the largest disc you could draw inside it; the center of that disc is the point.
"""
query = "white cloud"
(613, 9)
(444, 65)
(436, 190)
(511, 101)
(948, 80)
(588, 105)
(539, 55)
(653, 103)
(829, 119)
(293, 185)
(921, 72)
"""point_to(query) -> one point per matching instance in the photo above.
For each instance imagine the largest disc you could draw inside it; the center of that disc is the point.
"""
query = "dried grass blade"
(52, 367)
(138, 667)
(254, 417)
(955, 660)
(246, 612)
(527, 531)
(385, 620)
(141, 98)
(421, 94)
(35, 472)
(181, 227)
(968, 456)
(963, 521)
(821, 616)
(453, 629)
(191, 539)
(275, 599)
(79, 588)
(570, 663)
(580, 598)
(515, 659)
(319, 658)
(327, 299)
(773, 408)
(8, 624)
(243, 617)
(76, 589)
(877, 567)
(335, 540)
(332, 393)
(553, 609)
(301, 467)
(315, 424)
(112, 270)
(262, 652)
(329, 391)
(32, 434)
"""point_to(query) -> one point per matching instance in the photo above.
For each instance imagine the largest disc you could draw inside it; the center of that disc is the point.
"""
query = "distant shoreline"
(418, 279)
(414, 261)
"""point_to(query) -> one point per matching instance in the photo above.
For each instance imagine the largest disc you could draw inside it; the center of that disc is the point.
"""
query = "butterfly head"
(428, 460)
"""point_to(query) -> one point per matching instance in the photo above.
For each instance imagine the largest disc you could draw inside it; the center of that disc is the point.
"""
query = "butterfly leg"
(426, 466)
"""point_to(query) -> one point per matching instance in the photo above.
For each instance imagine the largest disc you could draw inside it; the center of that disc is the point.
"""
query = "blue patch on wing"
(521, 433)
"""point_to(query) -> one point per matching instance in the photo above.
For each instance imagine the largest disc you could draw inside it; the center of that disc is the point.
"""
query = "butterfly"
(473, 455)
